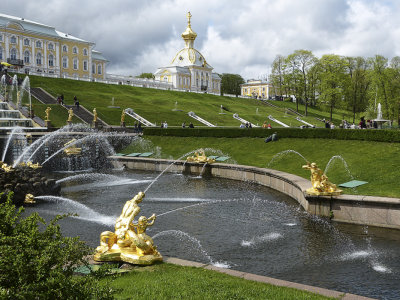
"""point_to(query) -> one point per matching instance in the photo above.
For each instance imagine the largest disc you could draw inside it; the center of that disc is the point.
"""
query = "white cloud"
(235, 36)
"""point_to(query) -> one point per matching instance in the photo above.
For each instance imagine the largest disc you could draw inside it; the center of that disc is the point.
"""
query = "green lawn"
(167, 281)
(374, 162)
(159, 105)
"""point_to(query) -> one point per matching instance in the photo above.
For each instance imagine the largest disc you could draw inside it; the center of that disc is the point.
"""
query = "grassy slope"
(166, 281)
(157, 105)
(376, 163)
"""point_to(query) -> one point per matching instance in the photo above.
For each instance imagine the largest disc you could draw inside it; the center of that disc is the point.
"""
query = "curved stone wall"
(355, 209)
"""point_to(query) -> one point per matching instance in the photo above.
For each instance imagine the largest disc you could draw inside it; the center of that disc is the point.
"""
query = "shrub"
(37, 262)
(320, 133)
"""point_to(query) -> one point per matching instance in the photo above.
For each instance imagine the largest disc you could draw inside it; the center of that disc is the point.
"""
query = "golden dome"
(189, 35)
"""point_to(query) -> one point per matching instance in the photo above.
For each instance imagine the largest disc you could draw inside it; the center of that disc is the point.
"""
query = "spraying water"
(282, 154)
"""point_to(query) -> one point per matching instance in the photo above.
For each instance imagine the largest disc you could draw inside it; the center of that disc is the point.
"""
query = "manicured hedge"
(321, 133)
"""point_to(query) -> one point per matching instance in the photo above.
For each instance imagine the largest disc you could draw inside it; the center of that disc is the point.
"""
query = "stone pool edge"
(353, 209)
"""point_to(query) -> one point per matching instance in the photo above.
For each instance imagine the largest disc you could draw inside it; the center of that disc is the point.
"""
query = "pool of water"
(236, 225)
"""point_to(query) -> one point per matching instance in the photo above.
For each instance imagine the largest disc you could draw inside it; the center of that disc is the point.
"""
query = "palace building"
(189, 70)
(256, 88)
(41, 49)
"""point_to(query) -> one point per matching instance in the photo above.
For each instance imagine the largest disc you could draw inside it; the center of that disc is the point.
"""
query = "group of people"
(137, 128)
(363, 124)
(190, 125)
(246, 125)
(60, 100)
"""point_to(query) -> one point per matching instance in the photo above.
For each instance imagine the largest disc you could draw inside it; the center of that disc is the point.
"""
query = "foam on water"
(290, 224)
(223, 265)
(381, 268)
(174, 199)
(356, 255)
(261, 239)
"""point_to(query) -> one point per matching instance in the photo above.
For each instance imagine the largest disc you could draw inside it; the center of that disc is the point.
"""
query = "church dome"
(189, 56)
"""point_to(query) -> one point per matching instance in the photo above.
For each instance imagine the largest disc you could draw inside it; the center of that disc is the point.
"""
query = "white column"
(267, 91)
(21, 56)
(44, 63)
(90, 62)
(7, 50)
(33, 54)
(58, 69)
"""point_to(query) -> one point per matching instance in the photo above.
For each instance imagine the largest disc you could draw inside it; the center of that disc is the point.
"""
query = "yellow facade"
(40, 49)
(256, 89)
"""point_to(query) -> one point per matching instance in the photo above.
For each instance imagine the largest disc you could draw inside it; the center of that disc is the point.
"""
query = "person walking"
(76, 101)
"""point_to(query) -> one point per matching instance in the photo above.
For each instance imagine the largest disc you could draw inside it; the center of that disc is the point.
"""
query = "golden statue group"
(200, 158)
(129, 243)
(319, 181)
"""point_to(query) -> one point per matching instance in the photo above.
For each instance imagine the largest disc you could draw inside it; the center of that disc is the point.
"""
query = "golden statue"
(126, 244)
(18, 98)
(48, 109)
(32, 165)
(200, 158)
(321, 186)
(94, 115)
(70, 115)
(29, 199)
(72, 150)
(5, 167)
(123, 116)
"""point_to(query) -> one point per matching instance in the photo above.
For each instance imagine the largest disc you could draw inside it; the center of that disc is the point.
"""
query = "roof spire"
(189, 35)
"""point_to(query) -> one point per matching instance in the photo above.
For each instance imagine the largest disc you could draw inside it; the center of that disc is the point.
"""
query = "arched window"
(93, 69)
(85, 65)
(13, 40)
(26, 42)
(38, 44)
(75, 50)
(39, 58)
(13, 53)
(51, 60)
(99, 70)
(51, 46)
(197, 81)
(1, 53)
(27, 57)
(85, 51)
(65, 48)
(180, 80)
(75, 64)
(165, 78)
(65, 62)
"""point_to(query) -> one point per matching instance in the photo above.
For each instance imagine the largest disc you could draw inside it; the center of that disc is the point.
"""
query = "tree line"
(357, 84)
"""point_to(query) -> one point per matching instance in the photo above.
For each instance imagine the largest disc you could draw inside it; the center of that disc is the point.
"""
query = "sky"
(241, 37)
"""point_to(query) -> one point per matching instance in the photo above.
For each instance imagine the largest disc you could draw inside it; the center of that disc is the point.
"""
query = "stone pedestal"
(122, 124)
(95, 124)
(69, 122)
(47, 123)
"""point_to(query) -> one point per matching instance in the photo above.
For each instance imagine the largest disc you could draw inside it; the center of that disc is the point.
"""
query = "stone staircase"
(82, 113)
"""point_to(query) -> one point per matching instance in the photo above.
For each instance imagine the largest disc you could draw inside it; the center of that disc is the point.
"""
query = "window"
(75, 62)
(1, 52)
(75, 50)
(26, 42)
(197, 82)
(13, 40)
(51, 60)
(93, 69)
(180, 80)
(39, 58)
(85, 65)
(165, 78)
(1, 37)
(38, 44)
(65, 48)
(13, 54)
(27, 57)
(85, 52)
(99, 69)
(263, 89)
(65, 62)
(51, 46)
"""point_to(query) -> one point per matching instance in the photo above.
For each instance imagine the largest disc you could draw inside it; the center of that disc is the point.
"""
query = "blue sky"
(240, 37)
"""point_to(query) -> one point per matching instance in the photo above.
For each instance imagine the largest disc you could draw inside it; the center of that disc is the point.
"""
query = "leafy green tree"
(37, 262)
(333, 80)
(230, 83)
(380, 81)
(146, 75)
(358, 85)
(302, 62)
(277, 74)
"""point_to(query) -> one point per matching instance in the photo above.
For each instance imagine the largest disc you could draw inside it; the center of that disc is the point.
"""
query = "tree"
(380, 80)
(230, 83)
(359, 83)
(277, 74)
(302, 62)
(333, 79)
(37, 262)
(146, 75)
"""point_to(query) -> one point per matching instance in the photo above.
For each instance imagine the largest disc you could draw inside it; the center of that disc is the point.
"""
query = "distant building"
(256, 89)
(41, 49)
(189, 69)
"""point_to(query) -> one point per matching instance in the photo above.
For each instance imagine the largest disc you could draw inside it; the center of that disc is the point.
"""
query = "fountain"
(379, 120)
(200, 158)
